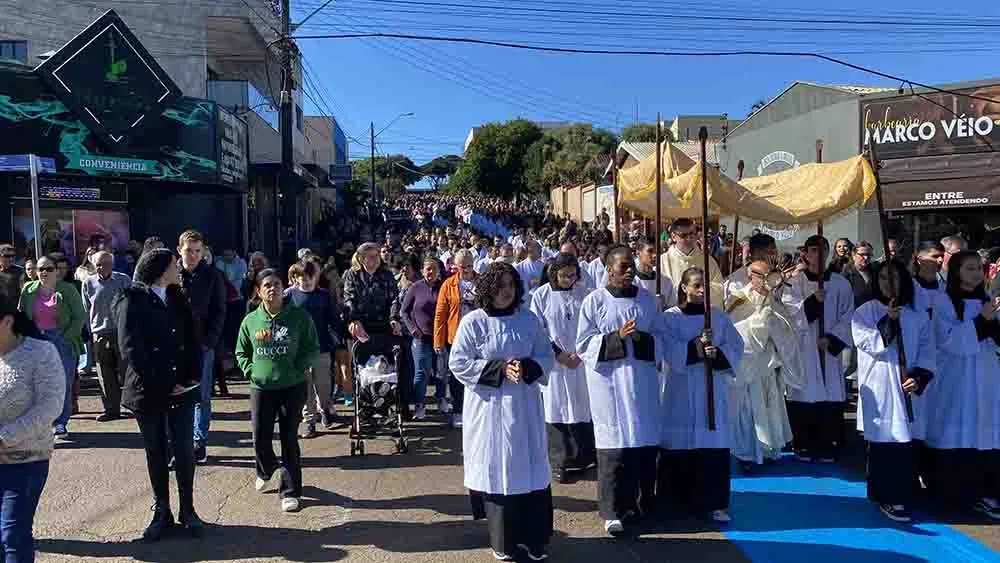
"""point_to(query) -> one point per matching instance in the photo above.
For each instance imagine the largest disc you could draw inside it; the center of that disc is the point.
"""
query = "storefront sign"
(232, 133)
(933, 123)
(22, 163)
(106, 77)
(107, 164)
(69, 193)
(937, 183)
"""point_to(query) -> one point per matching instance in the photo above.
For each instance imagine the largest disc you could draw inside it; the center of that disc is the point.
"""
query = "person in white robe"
(586, 280)
(598, 271)
(878, 328)
(694, 465)
(645, 272)
(928, 287)
(530, 269)
(684, 254)
(816, 409)
(961, 406)
(771, 361)
(567, 405)
(620, 338)
(502, 355)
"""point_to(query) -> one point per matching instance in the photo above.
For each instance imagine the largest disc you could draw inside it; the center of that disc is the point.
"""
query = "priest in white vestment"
(684, 254)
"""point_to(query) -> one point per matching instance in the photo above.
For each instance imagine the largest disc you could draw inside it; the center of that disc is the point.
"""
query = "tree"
(640, 133)
(757, 106)
(570, 152)
(392, 173)
(440, 169)
(495, 161)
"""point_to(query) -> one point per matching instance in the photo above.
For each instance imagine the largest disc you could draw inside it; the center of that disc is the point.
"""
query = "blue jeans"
(21, 486)
(203, 410)
(424, 364)
(65, 350)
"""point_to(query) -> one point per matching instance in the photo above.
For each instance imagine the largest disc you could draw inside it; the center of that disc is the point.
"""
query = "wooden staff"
(614, 196)
(822, 274)
(736, 225)
(659, 216)
(709, 384)
(900, 349)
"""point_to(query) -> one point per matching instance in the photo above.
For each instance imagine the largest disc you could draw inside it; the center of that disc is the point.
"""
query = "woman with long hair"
(959, 411)
(567, 404)
(502, 355)
(878, 327)
(56, 308)
(162, 365)
(417, 312)
(276, 348)
(694, 462)
(32, 391)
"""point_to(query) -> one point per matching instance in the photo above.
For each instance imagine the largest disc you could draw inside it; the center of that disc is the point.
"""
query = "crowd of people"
(554, 350)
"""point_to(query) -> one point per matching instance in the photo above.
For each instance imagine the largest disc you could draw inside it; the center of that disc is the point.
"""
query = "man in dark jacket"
(205, 289)
(11, 275)
(859, 273)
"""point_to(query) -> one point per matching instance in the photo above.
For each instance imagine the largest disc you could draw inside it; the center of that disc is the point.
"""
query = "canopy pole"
(659, 205)
(706, 277)
(614, 196)
(822, 274)
(884, 224)
(736, 225)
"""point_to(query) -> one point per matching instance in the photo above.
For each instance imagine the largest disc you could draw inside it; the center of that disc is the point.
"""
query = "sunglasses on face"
(47, 269)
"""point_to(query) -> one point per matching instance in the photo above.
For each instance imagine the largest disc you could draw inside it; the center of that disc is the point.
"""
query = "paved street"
(387, 508)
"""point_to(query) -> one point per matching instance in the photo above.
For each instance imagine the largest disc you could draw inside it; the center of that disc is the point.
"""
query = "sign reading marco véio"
(106, 77)
(106, 164)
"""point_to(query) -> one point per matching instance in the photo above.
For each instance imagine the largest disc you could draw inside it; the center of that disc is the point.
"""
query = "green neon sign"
(94, 164)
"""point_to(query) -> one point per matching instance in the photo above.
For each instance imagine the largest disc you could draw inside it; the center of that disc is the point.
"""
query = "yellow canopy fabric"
(807, 194)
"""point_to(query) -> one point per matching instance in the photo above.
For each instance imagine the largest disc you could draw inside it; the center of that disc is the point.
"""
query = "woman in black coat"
(162, 364)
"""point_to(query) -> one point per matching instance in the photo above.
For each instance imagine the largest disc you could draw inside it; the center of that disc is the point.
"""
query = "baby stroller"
(378, 400)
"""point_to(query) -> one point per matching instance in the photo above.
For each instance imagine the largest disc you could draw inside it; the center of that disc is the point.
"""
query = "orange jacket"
(448, 312)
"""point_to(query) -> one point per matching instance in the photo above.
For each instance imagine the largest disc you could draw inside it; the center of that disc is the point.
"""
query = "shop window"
(69, 230)
(14, 50)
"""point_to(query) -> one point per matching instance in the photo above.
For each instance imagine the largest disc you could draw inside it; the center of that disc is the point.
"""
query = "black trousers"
(285, 406)
(626, 481)
(817, 428)
(956, 478)
(109, 372)
(892, 473)
(516, 519)
(571, 446)
(695, 480)
(177, 422)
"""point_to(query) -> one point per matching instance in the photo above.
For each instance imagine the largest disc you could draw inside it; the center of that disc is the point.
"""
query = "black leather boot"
(162, 521)
(192, 524)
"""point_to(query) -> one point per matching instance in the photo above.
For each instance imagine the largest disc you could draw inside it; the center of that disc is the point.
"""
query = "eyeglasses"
(47, 269)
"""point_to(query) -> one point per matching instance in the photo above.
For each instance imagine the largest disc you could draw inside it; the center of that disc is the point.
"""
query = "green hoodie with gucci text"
(274, 352)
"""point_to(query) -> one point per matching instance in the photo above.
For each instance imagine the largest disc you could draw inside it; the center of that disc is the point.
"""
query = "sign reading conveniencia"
(107, 164)
(932, 124)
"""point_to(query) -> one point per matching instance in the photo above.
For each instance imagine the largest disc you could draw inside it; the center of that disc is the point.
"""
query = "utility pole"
(285, 184)
(372, 141)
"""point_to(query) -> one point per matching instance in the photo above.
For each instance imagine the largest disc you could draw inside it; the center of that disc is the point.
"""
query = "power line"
(570, 50)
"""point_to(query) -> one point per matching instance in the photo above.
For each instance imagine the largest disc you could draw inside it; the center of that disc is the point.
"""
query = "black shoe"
(328, 420)
(162, 521)
(192, 524)
(172, 464)
(746, 467)
(200, 454)
(559, 476)
(106, 417)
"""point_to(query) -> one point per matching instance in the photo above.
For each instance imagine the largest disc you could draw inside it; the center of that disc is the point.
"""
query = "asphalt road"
(383, 507)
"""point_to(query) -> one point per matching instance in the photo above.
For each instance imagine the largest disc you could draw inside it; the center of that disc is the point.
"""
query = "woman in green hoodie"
(56, 308)
(276, 345)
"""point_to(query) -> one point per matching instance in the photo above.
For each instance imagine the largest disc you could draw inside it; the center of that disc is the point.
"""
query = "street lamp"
(372, 140)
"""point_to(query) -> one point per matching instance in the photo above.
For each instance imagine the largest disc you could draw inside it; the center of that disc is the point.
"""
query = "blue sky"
(451, 88)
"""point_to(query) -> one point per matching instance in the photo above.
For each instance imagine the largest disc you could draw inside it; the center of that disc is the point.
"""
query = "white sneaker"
(721, 516)
(264, 485)
(613, 527)
(420, 412)
(444, 407)
(501, 556)
(456, 420)
(289, 504)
